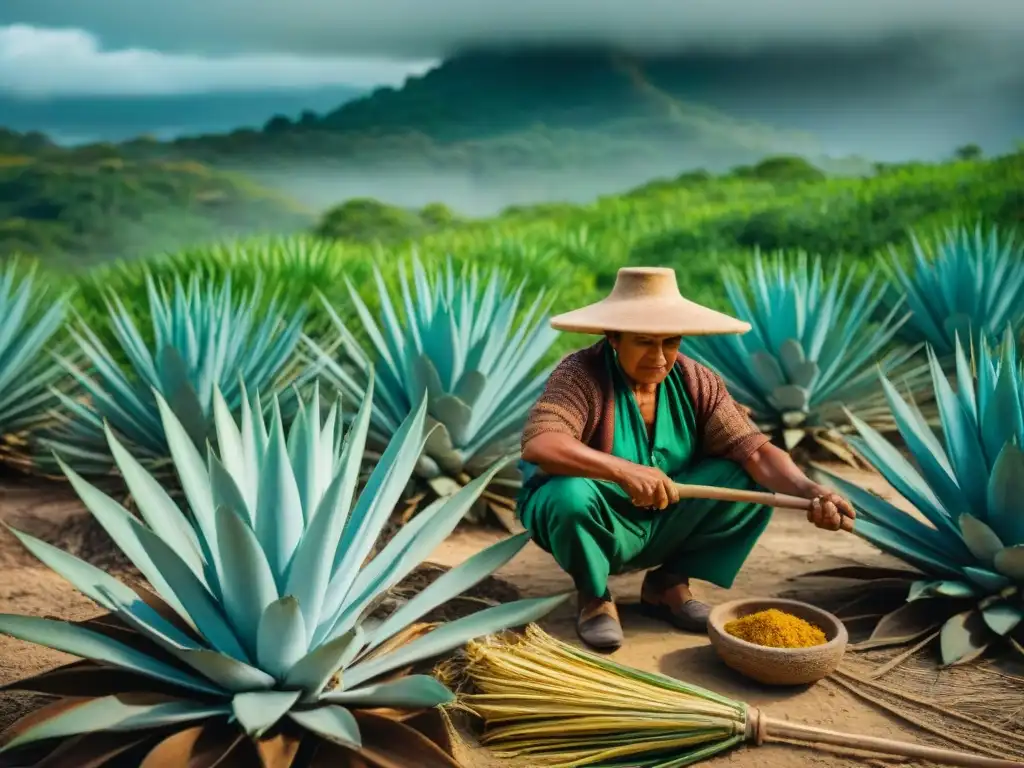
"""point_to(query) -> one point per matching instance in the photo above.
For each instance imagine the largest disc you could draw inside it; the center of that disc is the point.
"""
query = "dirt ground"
(789, 547)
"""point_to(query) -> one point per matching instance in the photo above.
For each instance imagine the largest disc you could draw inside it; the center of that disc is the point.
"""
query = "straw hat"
(647, 300)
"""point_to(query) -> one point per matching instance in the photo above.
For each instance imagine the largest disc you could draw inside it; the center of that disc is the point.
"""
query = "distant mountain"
(85, 120)
(485, 130)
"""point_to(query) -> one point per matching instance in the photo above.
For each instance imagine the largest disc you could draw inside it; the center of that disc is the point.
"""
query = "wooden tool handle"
(776, 730)
(776, 500)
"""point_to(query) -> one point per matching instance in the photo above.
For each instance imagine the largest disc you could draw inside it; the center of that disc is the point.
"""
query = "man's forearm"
(774, 469)
(560, 454)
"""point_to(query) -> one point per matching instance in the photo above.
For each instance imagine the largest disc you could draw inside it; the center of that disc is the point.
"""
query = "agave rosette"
(255, 638)
(967, 540)
(812, 351)
(203, 338)
(961, 285)
(29, 321)
(459, 345)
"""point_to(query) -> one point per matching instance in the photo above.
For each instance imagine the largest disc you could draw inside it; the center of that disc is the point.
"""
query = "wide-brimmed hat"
(647, 300)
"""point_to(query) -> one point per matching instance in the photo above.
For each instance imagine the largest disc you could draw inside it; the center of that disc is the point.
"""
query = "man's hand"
(648, 487)
(828, 509)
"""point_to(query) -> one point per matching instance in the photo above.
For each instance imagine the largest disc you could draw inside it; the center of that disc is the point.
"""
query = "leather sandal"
(598, 624)
(691, 616)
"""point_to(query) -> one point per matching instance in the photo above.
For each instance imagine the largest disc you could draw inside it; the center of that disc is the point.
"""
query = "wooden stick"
(780, 730)
(776, 500)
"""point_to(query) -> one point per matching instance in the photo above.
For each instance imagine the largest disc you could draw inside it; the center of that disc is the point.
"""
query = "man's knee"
(567, 501)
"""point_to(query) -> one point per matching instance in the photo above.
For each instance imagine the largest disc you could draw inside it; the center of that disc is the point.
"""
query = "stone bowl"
(778, 666)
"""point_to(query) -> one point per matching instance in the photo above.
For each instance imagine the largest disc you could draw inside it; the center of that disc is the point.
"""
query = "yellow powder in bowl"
(776, 629)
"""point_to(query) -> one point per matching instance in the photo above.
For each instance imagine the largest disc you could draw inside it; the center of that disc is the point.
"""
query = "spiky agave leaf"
(968, 489)
(203, 337)
(960, 284)
(262, 592)
(29, 321)
(813, 349)
(456, 342)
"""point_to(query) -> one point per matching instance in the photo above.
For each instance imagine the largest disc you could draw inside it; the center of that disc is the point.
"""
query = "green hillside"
(94, 203)
(696, 223)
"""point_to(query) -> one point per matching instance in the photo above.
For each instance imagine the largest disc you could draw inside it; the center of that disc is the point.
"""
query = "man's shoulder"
(587, 359)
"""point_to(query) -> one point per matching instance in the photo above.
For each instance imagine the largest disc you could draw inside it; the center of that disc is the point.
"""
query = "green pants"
(593, 530)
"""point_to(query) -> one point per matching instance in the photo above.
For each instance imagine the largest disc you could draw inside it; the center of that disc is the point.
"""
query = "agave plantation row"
(477, 344)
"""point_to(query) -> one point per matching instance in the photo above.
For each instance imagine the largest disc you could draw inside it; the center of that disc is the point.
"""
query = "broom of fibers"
(547, 703)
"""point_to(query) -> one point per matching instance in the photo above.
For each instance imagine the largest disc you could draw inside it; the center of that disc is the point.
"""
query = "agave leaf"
(281, 639)
(455, 415)
(226, 492)
(117, 713)
(1005, 494)
(378, 498)
(964, 638)
(790, 397)
(989, 581)
(428, 383)
(1003, 618)
(314, 558)
(907, 623)
(258, 711)
(453, 634)
(903, 477)
(279, 520)
(1002, 418)
(195, 481)
(231, 449)
(768, 370)
(980, 539)
(927, 452)
(410, 692)
(228, 673)
(181, 397)
(157, 508)
(246, 580)
(953, 589)
(78, 641)
(86, 578)
(470, 387)
(962, 439)
(450, 584)
(409, 547)
(1010, 562)
(199, 607)
(333, 723)
(129, 534)
(313, 671)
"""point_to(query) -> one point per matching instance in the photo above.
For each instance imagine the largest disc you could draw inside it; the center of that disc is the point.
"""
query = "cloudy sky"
(57, 47)
(887, 78)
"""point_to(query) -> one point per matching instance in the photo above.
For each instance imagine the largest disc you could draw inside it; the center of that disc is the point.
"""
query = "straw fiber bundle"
(546, 703)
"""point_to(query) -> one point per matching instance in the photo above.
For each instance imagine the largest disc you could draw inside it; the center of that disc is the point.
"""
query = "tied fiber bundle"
(549, 704)
(545, 703)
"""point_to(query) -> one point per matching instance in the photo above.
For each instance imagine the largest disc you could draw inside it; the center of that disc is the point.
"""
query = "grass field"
(696, 224)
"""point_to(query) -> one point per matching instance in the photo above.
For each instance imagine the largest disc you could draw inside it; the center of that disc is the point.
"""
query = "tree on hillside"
(968, 152)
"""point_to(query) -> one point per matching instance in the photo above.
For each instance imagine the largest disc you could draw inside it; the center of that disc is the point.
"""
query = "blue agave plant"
(256, 646)
(203, 338)
(458, 344)
(962, 284)
(29, 322)
(968, 543)
(812, 350)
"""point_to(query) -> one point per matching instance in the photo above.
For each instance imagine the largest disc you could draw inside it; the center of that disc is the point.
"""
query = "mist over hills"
(483, 131)
(89, 119)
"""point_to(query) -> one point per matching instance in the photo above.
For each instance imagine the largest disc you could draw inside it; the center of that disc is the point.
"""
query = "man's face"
(646, 359)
